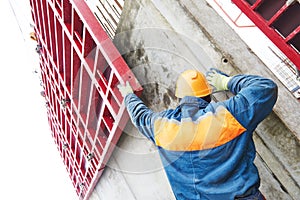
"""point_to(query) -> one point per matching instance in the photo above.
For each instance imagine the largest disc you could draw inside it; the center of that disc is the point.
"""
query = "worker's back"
(207, 148)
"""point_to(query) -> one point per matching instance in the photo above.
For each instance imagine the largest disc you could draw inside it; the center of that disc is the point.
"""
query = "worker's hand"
(217, 79)
(125, 89)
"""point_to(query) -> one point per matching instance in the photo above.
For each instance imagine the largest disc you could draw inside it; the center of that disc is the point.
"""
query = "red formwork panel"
(279, 21)
(80, 69)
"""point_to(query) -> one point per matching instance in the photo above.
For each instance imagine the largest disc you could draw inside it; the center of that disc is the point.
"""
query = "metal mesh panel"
(80, 71)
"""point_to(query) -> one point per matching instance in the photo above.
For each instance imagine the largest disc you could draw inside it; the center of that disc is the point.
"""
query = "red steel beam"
(266, 27)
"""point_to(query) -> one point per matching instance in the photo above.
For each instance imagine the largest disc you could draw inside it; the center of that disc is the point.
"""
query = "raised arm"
(254, 99)
(141, 116)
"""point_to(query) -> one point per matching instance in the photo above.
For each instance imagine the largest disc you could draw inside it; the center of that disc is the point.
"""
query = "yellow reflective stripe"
(211, 130)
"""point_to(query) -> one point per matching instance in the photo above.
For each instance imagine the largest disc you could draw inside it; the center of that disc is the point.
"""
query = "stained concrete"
(159, 40)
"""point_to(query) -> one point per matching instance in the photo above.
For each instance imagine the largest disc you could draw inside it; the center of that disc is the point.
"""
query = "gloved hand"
(125, 89)
(217, 79)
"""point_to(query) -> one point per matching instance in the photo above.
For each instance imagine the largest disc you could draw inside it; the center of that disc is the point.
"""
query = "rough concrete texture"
(160, 39)
(133, 172)
(242, 58)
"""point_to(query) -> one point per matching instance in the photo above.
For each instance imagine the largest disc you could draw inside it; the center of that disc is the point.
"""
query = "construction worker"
(206, 147)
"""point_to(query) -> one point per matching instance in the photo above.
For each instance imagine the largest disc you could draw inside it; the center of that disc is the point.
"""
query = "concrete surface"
(160, 39)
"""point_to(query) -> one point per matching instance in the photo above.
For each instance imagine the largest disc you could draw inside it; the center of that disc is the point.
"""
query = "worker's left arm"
(254, 96)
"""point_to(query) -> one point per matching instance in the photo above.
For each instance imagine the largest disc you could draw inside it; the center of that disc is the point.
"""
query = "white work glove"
(125, 89)
(217, 79)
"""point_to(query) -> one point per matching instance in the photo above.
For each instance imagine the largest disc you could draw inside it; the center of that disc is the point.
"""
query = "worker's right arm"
(254, 99)
(141, 116)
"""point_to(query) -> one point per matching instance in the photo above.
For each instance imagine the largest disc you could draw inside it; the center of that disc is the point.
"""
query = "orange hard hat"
(192, 83)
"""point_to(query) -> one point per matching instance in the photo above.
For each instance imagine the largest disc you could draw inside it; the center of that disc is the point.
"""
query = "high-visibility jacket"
(207, 149)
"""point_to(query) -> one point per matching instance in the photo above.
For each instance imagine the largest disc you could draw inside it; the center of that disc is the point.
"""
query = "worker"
(206, 147)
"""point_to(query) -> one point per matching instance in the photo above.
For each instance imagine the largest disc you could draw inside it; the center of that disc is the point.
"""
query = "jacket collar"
(191, 100)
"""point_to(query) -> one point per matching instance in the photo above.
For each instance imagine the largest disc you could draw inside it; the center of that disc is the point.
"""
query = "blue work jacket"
(207, 149)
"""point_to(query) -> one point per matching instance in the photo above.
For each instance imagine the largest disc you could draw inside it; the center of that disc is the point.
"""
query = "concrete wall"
(159, 40)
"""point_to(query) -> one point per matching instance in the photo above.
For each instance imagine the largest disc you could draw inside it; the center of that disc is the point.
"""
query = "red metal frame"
(278, 21)
(80, 70)
(234, 21)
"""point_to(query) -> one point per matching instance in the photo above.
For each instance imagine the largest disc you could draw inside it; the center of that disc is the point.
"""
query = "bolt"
(42, 93)
(38, 49)
(81, 186)
(90, 156)
(64, 102)
(33, 36)
(65, 146)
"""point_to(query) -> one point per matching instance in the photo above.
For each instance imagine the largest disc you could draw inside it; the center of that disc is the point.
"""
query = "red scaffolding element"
(278, 21)
(233, 20)
(80, 69)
